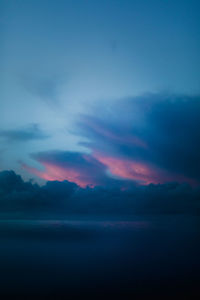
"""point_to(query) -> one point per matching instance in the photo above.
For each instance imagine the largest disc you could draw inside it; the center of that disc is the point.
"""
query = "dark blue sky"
(69, 70)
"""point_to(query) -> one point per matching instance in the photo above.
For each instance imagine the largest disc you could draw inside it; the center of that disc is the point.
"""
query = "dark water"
(138, 259)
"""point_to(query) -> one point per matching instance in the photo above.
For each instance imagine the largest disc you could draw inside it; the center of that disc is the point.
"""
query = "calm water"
(143, 257)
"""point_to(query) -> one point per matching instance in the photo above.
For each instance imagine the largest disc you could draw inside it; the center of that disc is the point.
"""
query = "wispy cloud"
(149, 139)
(156, 132)
(83, 169)
(46, 86)
(30, 132)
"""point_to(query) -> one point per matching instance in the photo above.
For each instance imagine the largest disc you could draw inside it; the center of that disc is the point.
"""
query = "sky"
(100, 92)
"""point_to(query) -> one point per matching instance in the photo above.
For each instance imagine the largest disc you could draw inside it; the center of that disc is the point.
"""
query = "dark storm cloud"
(62, 198)
(157, 130)
(19, 196)
(31, 132)
(174, 136)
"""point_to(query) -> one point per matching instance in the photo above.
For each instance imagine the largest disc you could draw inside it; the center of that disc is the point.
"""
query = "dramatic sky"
(99, 92)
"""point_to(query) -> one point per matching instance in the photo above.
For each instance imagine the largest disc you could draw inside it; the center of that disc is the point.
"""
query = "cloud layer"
(148, 139)
(64, 198)
(75, 167)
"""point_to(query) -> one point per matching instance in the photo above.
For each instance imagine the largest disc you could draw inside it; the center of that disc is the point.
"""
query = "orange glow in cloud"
(138, 171)
(53, 172)
(128, 169)
(122, 168)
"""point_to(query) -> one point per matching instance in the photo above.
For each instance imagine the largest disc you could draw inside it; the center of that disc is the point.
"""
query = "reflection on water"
(139, 257)
(74, 223)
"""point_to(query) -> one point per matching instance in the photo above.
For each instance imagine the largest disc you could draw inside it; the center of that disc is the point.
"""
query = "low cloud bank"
(65, 198)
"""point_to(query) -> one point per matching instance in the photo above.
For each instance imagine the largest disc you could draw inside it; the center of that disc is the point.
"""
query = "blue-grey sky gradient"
(60, 60)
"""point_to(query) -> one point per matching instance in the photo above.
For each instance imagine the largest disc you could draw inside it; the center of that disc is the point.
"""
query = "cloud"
(56, 199)
(148, 139)
(46, 86)
(31, 132)
(155, 136)
(83, 169)
(19, 196)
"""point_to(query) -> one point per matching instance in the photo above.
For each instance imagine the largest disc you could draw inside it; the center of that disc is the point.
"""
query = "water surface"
(45, 259)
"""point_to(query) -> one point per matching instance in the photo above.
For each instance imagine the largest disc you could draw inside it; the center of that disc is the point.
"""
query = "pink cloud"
(55, 172)
(90, 170)
(129, 139)
(139, 171)
(128, 169)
